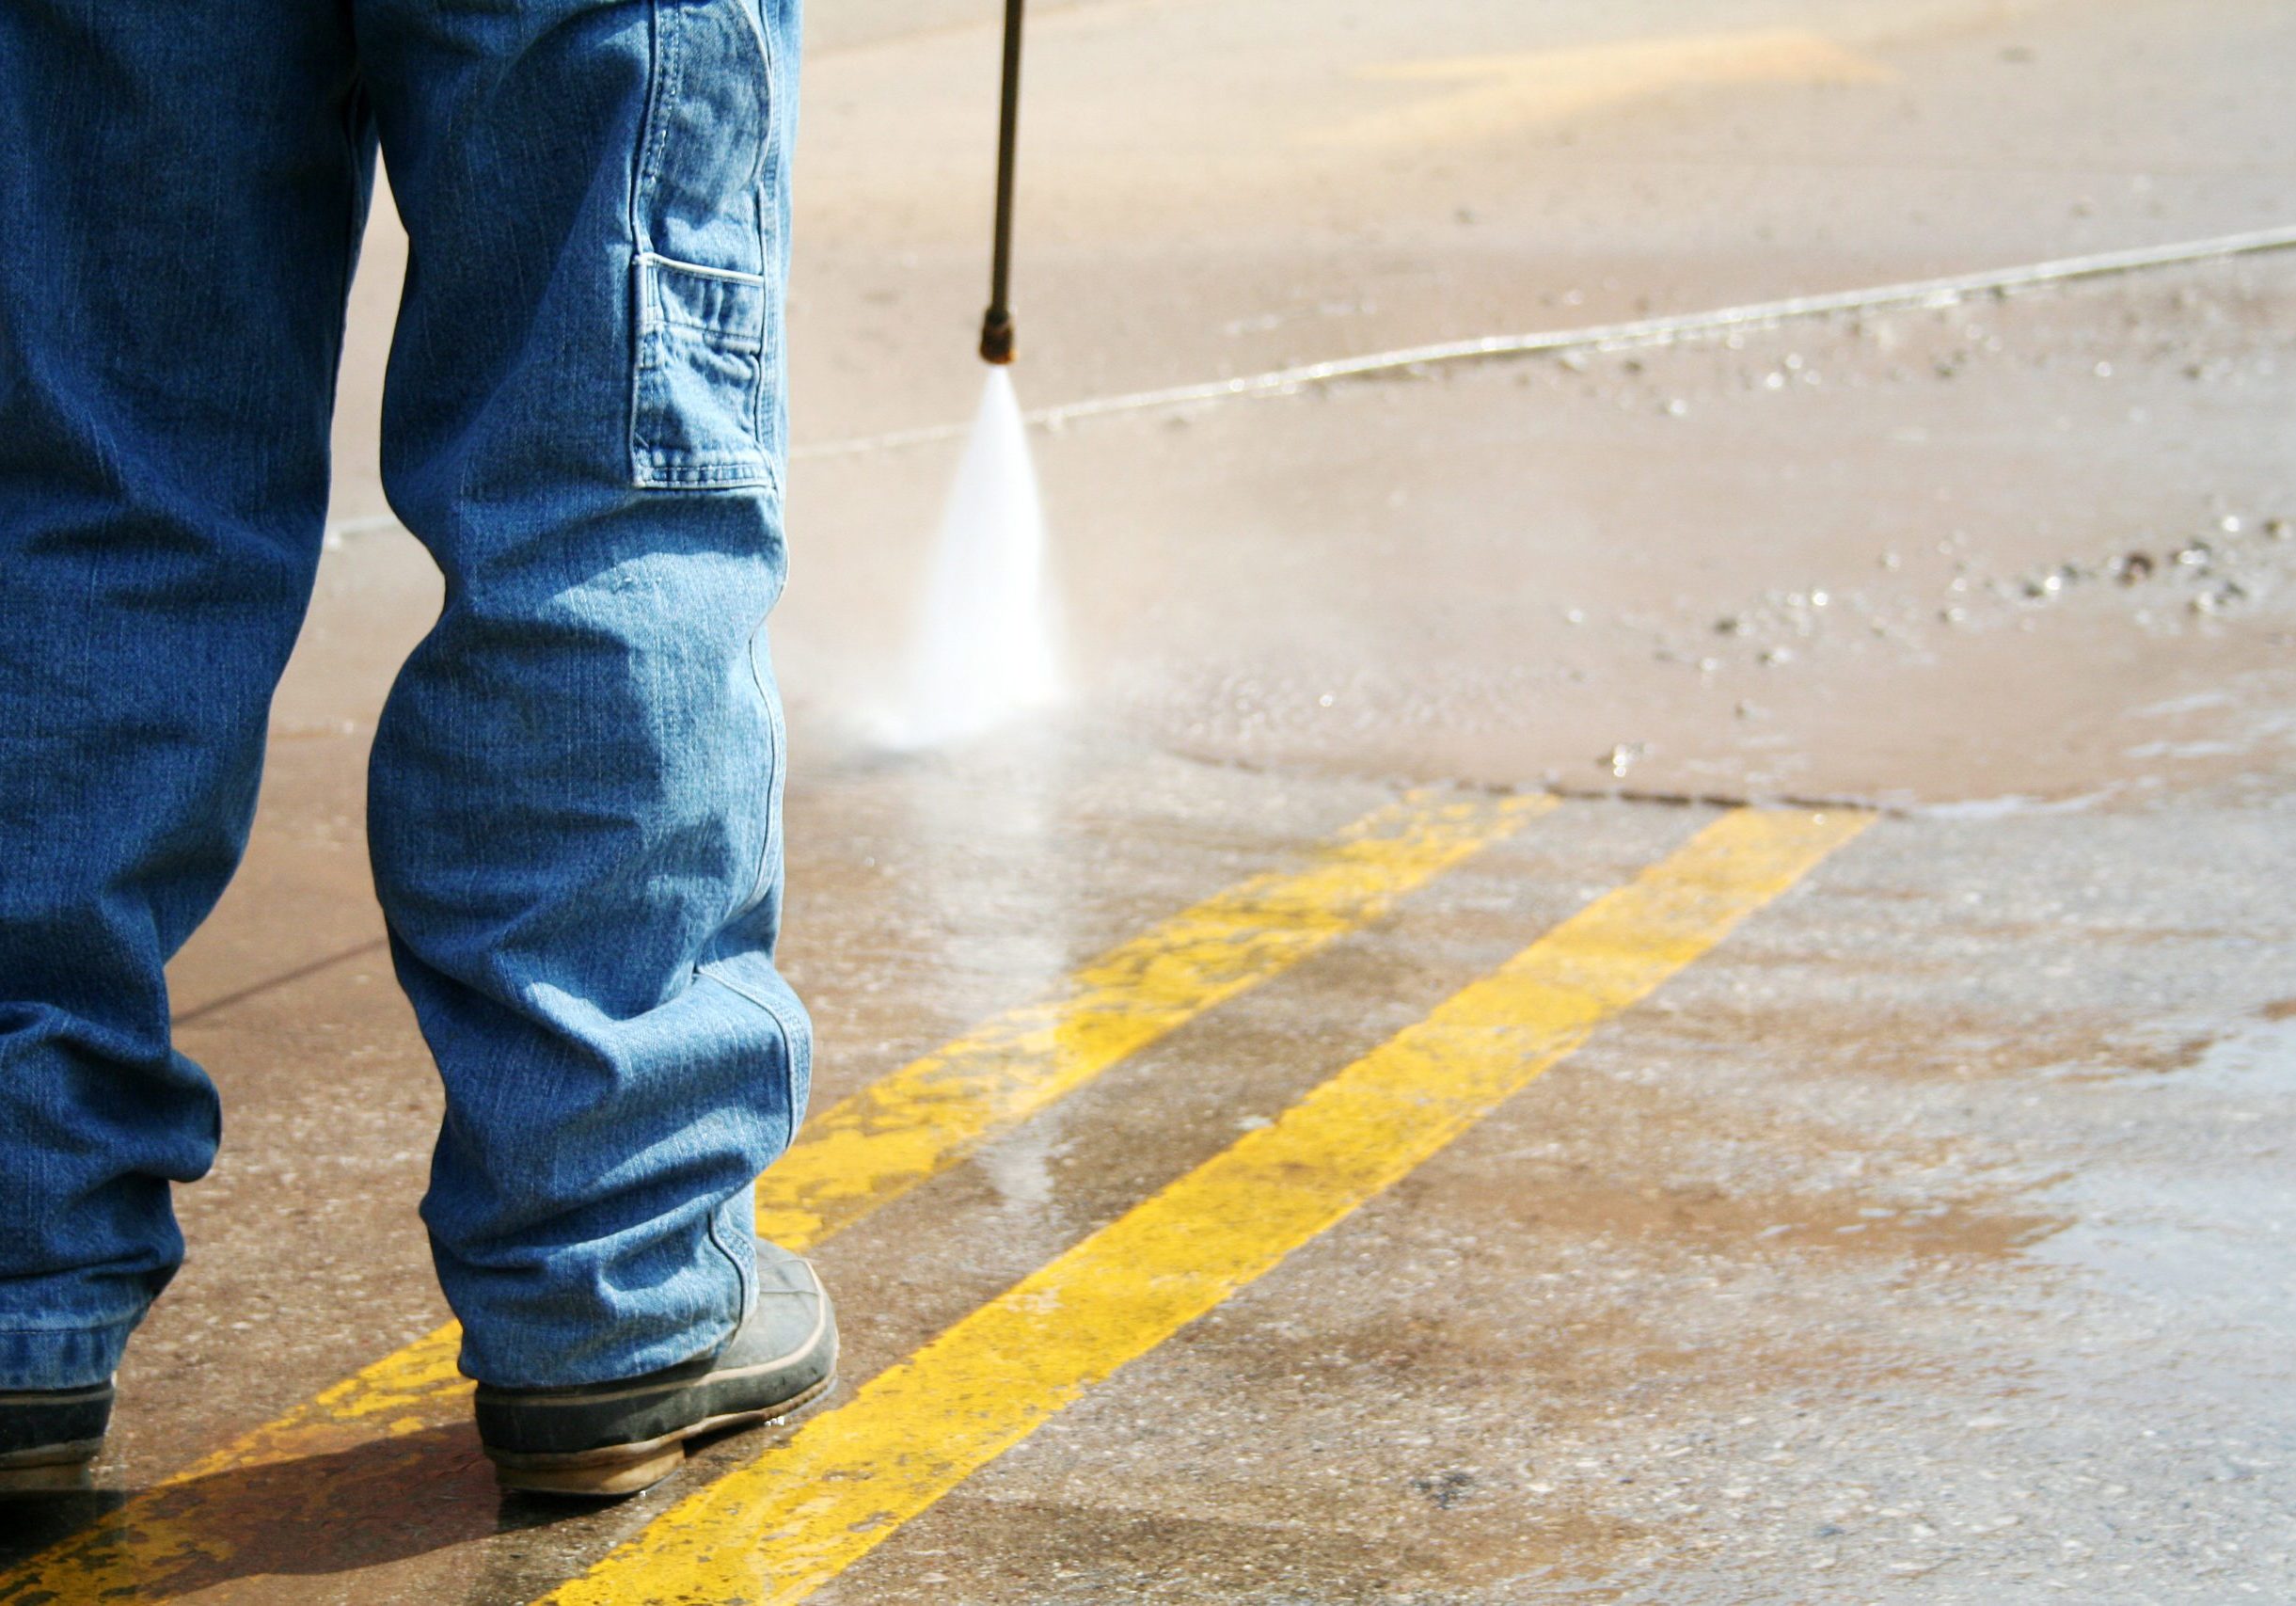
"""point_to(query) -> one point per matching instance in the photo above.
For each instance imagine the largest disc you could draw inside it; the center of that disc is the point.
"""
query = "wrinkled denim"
(575, 788)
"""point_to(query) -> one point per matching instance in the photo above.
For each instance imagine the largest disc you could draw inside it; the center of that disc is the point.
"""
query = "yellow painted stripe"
(887, 1138)
(780, 1527)
(866, 1149)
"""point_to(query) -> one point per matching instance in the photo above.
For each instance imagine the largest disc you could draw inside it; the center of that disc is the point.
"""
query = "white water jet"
(984, 636)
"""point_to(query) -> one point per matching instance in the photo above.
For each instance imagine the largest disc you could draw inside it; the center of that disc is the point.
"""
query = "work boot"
(48, 1438)
(604, 1441)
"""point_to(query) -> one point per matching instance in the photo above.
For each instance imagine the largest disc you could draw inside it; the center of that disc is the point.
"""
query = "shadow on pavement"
(368, 1505)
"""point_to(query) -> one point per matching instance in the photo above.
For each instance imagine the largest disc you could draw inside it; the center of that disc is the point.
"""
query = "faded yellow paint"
(1481, 97)
(852, 1159)
(882, 1141)
(807, 1509)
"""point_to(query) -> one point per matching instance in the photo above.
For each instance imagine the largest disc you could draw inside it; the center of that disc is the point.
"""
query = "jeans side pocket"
(700, 359)
(706, 282)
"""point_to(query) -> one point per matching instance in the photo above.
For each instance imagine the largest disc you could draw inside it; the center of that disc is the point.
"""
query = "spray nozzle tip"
(996, 336)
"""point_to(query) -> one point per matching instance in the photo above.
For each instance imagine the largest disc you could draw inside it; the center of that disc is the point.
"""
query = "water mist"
(985, 642)
(984, 639)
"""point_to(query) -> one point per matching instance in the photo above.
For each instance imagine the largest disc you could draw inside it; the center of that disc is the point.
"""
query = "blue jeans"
(573, 795)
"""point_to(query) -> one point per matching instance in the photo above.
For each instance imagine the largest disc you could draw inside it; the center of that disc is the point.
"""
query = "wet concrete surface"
(1720, 561)
(1927, 1241)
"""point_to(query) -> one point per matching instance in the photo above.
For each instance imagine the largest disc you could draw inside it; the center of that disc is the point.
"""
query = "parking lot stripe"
(778, 1528)
(876, 1145)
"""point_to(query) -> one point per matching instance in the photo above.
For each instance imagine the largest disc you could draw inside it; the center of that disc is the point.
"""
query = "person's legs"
(180, 194)
(575, 791)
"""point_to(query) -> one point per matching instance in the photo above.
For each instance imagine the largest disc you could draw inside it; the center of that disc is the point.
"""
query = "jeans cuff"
(61, 1358)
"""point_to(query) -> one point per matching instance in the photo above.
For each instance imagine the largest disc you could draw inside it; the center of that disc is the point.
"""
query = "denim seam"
(701, 270)
(660, 473)
(790, 1051)
(788, 1038)
(766, 166)
(776, 739)
(696, 464)
(791, 1038)
(743, 1291)
(669, 66)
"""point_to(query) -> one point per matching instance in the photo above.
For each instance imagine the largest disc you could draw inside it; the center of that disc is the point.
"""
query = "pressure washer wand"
(996, 327)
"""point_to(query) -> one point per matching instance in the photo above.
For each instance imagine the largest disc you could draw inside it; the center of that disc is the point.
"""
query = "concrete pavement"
(1924, 1240)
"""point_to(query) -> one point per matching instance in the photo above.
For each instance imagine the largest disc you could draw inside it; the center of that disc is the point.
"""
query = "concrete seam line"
(1637, 332)
(1941, 292)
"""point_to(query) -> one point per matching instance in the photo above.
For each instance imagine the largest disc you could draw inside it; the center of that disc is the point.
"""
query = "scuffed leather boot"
(604, 1441)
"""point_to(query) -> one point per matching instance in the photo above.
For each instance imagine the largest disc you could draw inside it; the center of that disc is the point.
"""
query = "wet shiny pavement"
(1922, 1238)
(1931, 1221)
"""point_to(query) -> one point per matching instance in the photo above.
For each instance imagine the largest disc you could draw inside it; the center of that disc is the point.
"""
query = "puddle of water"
(2198, 702)
(2200, 1224)
(984, 648)
(2259, 1060)
(2182, 750)
(2013, 806)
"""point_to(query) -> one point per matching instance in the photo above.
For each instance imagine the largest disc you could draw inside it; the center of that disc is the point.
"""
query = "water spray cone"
(984, 645)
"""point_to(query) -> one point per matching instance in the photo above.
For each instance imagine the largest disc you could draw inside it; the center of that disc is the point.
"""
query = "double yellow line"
(807, 1509)
(812, 1506)
(851, 1159)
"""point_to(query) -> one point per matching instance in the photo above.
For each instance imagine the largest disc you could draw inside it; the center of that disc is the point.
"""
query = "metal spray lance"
(996, 327)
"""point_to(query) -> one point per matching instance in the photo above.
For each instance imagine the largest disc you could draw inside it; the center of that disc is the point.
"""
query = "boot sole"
(52, 1469)
(619, 1471)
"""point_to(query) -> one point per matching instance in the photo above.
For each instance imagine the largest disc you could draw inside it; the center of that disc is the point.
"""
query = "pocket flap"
(729, 307)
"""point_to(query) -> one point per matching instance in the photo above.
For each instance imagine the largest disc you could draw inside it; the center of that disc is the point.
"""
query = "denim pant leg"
(180, 193)
(574, 790)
